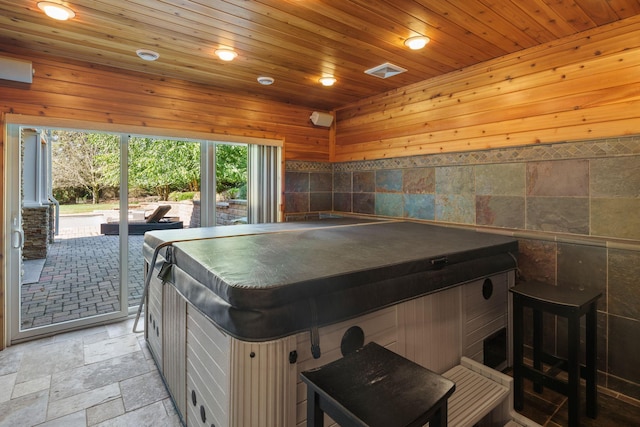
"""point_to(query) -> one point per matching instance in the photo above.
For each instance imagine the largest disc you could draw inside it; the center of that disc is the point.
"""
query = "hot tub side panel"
(237, 383)
(154, 330)
(434, 330)
(207, 372)
(256, 384)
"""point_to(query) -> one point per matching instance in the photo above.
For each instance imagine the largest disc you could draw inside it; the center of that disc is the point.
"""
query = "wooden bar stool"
(565, 303)
(376, 387)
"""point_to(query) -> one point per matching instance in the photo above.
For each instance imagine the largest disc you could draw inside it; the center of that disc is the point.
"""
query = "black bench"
(376, 387)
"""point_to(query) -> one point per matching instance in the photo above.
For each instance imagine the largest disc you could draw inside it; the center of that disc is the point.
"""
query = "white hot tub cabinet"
(220, 373)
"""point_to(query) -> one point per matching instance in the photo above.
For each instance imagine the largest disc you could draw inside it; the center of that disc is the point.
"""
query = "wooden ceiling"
(298, 41)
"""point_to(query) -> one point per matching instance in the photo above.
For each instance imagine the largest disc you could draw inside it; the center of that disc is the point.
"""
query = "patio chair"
(154, 221)
(157, 214)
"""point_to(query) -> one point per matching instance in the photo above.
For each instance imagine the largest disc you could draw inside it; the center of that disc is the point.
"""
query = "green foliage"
(164, 165)
(178, 196)
(67, 195)
(84, 208)
(89, 163)
(231, 167)
(84, 161)
(242, 192)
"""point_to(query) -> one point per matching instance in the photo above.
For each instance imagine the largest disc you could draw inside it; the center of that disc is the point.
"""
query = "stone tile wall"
(574, 208)
(308, 190)
(230, 212)
(35, 225)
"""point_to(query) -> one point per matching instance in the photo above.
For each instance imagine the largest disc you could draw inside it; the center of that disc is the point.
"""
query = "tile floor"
(550, 409)
(101, 376)
(105, 376)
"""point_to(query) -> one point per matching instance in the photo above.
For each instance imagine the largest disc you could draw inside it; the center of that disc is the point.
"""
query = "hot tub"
(235, 313)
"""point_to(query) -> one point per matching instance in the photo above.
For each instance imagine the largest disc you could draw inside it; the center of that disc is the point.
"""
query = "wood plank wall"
(83, 92)
(581, 87)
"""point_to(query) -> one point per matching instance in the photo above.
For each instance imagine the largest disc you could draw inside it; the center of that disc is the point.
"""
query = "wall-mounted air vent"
(385, 70)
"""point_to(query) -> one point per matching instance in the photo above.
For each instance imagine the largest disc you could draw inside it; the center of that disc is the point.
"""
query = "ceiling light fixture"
(417, 42)
(226, 54)
(327, 80)
(265, 81)
(147, 55)
(56, 10)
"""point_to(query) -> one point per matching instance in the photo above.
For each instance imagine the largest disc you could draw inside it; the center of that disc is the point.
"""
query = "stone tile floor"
(104, 376)
(550, 409)
(100, 376)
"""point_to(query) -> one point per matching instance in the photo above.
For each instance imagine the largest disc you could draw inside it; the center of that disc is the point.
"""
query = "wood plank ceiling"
(298, 41)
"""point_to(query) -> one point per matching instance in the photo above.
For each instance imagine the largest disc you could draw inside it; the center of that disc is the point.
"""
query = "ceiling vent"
(385, 70)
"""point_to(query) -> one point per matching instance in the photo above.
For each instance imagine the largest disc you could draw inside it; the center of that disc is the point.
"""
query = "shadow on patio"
(80, 276)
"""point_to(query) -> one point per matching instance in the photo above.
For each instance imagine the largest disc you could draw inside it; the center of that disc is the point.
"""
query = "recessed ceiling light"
(327, 80)
(226, 54)
(147, 55)
(56, 10)
(417, 42)
(266, 81)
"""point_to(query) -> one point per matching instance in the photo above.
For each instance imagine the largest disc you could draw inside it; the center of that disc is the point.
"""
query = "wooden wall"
(79, 91)
(582, 87)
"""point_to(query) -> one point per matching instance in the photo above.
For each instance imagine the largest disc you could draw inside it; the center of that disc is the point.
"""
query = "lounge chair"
(158, 214)
(154, 221)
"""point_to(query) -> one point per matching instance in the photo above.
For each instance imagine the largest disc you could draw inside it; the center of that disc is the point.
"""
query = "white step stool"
(482, 392)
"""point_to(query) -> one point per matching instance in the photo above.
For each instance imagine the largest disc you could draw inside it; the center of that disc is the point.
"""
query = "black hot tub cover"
(267, 281)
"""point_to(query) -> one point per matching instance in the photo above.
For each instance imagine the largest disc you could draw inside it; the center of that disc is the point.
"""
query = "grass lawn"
(86, 208)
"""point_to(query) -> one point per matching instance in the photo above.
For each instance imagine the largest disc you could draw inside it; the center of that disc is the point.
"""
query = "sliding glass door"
(79, 202)
(63, 271)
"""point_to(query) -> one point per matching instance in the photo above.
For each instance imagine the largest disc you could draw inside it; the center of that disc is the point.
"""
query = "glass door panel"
(71, 267)
(231, 183)
(164, 193)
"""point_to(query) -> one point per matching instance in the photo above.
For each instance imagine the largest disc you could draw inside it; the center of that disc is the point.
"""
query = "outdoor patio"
(80, 276)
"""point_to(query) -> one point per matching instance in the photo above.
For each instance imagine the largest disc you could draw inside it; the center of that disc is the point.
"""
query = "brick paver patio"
(80, 277)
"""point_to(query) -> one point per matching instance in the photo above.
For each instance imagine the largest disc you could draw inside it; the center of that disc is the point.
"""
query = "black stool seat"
(572, 305)
(376, 387)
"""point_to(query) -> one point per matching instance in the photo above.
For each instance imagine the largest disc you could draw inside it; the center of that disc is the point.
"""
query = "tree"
(84, 160)
(231, 167)
(164, 165)
(92, 161)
